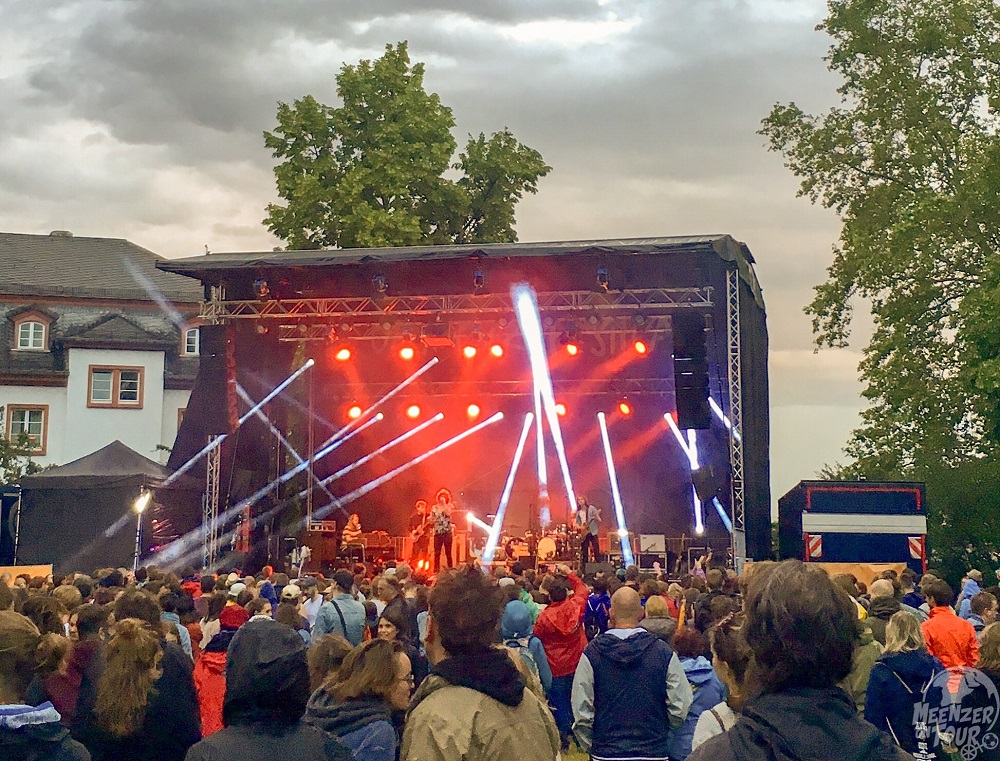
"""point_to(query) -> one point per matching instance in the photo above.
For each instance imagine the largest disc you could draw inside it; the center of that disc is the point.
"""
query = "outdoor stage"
(629, 308)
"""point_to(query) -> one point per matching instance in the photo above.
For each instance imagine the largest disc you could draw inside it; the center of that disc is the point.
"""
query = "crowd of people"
(783, 662)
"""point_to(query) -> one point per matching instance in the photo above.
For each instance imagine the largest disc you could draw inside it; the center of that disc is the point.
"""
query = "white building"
(96, 344)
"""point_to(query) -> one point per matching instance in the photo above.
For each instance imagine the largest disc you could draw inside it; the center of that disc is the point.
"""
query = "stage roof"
(725, 246)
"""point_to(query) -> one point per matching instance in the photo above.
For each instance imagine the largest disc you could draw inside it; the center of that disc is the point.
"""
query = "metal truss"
(423, 308)
(210, 506)
(565, 389)
(736, 414)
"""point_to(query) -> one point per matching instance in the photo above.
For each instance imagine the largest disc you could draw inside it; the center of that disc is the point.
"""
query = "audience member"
(950, 639)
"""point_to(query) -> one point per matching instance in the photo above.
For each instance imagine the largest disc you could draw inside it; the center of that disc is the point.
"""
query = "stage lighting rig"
(478, 282)
(602, 279)
(380, 285)
(261, 289)
(568, 339)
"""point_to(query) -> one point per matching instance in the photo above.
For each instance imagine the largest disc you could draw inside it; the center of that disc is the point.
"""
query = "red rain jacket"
(950, 639)
(210, 684)
(560, 628)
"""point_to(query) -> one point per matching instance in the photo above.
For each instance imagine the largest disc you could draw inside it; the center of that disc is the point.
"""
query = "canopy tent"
(80, 516)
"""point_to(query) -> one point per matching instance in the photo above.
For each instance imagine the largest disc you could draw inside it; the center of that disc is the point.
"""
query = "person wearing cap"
(288, 611)
(341, 613)
(267, 688)
(313, 600)
(971, 588)
(210, 670)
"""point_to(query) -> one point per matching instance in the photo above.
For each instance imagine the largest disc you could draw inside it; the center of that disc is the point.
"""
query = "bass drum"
(546, 548)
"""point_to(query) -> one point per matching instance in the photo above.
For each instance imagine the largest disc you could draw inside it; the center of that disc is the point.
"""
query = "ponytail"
(132, 668)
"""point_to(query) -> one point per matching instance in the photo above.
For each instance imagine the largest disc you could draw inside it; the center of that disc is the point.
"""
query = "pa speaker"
(217, 378)
(691, 372)
(706, 486)
(603, 568)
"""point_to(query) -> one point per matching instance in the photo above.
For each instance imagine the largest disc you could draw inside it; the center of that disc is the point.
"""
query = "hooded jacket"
(365, 726)
(74, 693)
(28, 733)
(866, 652)
(800, 724)
(707, 692)
(560, 628)
(896, 685)
(475, 707)
(879, 613)
(629, 691)
(970, 589)
(516, 625)
(267, 687)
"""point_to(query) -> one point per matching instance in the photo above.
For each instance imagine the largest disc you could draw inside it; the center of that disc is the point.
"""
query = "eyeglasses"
(408, 679)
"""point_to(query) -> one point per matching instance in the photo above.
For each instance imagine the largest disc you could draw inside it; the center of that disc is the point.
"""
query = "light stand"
(140, 505)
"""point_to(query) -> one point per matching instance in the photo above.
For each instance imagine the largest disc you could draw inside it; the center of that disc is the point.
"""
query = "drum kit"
(554, 544)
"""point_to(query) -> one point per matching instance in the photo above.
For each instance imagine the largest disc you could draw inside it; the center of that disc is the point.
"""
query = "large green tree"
(372, 171)
(910, 160)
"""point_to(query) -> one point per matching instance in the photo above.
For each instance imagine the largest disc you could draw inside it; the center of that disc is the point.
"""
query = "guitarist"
(588, 524)
(420, 527)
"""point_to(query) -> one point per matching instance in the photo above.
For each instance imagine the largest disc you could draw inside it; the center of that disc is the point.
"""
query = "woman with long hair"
(210, 623)
(146, 709)
(394, 625)
(326, 655)
(358, 705)
(31, 732)
(731, 657)
(898, 679)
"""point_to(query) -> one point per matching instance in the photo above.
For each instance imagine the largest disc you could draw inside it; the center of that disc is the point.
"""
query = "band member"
(588, 523)
(352, 531)
(420, 526)
(441, 518)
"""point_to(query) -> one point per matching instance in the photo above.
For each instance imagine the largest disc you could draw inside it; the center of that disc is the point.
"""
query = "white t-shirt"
(708, 726)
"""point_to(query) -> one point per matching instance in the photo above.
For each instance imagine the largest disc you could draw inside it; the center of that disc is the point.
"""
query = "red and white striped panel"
(814, 546)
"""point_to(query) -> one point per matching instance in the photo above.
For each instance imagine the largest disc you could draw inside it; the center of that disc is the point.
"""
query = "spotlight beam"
(372, 485)
(680, 440)
(726, 521)
(253, 410)
(699, 517)
(544, 514)
(615, 494)
(491, 543)
(526, 308)
(478, 523)
(372, 455)
(725, 420)
(277, 434)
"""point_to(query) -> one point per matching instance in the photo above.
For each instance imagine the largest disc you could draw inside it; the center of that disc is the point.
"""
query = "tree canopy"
(910, 160)
(372, 171)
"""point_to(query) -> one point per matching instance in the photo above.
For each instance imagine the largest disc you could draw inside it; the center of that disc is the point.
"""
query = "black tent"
(80, 516)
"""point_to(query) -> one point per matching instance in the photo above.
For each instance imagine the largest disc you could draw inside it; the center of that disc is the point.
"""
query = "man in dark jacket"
(267, 687)
(801, 629)
(882, 607)
(629, 690)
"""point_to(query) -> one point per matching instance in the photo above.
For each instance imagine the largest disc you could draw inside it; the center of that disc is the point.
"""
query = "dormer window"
(192, 342)
(31, 333)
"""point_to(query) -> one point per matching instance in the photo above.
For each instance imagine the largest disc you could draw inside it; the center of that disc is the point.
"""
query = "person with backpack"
(898, 680)
(515, 631)
(595, 619)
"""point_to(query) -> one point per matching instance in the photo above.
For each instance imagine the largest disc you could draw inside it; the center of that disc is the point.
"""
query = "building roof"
(210, 266)
(116, 331)
(62, 264)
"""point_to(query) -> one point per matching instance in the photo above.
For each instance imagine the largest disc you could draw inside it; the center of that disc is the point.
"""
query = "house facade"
(96, 344)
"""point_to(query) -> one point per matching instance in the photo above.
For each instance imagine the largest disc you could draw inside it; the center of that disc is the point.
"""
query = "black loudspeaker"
(691, 371)
(646, 560)
(217, 375)
(705, 483)
(604, 568)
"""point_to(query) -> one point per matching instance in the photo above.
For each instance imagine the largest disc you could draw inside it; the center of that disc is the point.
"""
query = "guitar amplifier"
(323, 527)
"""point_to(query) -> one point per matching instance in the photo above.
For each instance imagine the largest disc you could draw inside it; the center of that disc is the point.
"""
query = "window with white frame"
(192, 342)
(31, 335)
(32, 422)
(118, 387)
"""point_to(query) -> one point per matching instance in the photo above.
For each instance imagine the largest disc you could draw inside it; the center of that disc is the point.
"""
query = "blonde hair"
(24, 652)
(132, 668)
(903, 633)
(656, 607)
(989, 648)
(368, 671)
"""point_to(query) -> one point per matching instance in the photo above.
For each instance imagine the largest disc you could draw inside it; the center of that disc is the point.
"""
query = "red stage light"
(473, 410)
(561, 409)
(342, 354)
(407, 353)
(496, 350)
(413, 412)
(625, 408)
(572, 349)
(640, 347)
(354, 412)
(469, 351)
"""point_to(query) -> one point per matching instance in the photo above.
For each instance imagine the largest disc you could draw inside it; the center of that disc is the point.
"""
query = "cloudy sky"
(143, 119)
